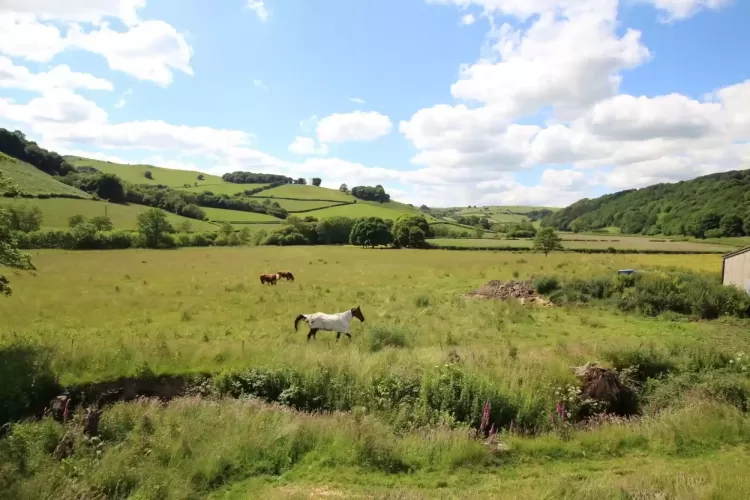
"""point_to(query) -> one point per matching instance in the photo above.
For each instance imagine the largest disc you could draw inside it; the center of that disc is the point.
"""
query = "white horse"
(338, 323)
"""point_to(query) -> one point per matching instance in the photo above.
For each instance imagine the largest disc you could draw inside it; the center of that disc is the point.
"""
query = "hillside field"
(222, 215)
(135, 174)
(196, 310)
(31, 180)
(307, 193)
(57, 211)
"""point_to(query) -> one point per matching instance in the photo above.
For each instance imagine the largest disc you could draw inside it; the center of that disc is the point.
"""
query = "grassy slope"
(219, 214)
(222, 187)
(391, 210)
(32, 180)
(135, 174)
(307, 193)
(57, 211)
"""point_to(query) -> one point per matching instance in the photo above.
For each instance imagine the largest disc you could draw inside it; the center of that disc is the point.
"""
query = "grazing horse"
(338, 323)
(269, 278)
(287, 275)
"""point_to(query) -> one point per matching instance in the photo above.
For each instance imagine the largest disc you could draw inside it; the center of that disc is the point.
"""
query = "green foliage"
(75, 220)
(410, 231)
(316, 181)
(335, 230)
(547, 241)
(110, 187)
(684, 208)
(26, 381)
(286, 235)
(253, 178)
(102, 223)
(381, 337)
(153, 226)
(370, 232)
(25, 218)
(16, 145)
(545, 285)
(370, 193)
(9, 253)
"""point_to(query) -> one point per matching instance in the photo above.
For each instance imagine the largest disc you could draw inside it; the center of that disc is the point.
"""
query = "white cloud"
(123, 101)
(259, 7)
(56, 109)
(90, 11)
(468, 19)
(306, 146)
(59, 77)
(357, 100)
(676, 10)
(259, 84)
(150, 50)
(356, 126)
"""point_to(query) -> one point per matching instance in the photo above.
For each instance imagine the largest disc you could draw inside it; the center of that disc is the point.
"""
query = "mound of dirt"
(523, 291)
(604, 385)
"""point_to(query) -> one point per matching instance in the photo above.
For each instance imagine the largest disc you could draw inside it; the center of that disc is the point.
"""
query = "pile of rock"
(523, 291)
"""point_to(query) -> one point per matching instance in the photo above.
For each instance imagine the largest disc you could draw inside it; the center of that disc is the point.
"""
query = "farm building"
(735, 269)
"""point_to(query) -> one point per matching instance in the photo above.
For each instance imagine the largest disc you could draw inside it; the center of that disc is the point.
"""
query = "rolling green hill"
(57, 211)
(135, 174)
(222, 215)
(306, 193)
(711, 206)
(33, 181)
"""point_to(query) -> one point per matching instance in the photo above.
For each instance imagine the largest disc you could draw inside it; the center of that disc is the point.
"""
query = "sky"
(443, 102)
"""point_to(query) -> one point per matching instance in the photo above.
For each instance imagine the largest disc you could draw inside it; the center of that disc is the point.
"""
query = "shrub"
(26, 381)
(102, 223)
(381, 337)
(546, 285)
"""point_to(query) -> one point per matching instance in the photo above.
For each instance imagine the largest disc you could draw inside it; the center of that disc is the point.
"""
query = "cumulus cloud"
(306, 146)
(356, 126)
(681, 9)
(468, 19)
(148, 50)
(60, 77)
(357, 100)
(259, 7)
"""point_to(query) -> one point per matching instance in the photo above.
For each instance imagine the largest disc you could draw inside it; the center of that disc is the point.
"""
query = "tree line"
(16, 145)
(710, 206)
(255, 178)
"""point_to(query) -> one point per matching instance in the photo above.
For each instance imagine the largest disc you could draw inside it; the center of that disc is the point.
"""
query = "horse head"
(357, 313)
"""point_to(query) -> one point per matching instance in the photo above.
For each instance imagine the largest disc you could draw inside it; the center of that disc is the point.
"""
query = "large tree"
(153, 225)
(335, 230)
(731, 225)
(547, 241)
(370, 232)
(109, 187)
(10, 256)
(411, 230)
(316, 181)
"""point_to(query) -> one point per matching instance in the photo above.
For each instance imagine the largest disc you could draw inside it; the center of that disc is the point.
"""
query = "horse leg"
(338, 336)
(312, 333)
(347, 334)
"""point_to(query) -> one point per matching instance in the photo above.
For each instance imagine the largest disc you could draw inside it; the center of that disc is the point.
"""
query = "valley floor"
(392, 406)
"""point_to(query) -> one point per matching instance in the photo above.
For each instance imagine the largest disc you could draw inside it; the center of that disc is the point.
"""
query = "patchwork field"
(221, 215)
(57, 211)
(307, 193)
(33, 181)
(203, 310)
(222, 187)
(135, 174)
(618, 243)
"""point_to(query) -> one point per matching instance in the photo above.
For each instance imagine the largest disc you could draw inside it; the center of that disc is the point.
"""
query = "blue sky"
(568, 99)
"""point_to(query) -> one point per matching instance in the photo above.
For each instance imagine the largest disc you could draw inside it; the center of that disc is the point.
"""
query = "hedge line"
(321, 208)
(298, 199)
(44, 196)
(583, 250)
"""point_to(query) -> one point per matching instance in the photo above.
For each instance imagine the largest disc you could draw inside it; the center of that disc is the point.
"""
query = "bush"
(381, 337)
(26, 381)
(546, 285)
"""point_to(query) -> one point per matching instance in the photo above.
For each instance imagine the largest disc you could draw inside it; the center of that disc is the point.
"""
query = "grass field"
(222, 187)
(221, 215)
(390, 210)
(31, 180)
(619, 243)
(57, 211)
(167, 176)
(307, 193)
(298, 205)
(195, 310)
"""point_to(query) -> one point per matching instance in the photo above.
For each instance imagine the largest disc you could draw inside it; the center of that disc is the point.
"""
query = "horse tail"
(299, 318)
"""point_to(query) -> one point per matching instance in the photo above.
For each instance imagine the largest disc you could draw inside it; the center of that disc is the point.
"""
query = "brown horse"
(268, 278)
(287, 275)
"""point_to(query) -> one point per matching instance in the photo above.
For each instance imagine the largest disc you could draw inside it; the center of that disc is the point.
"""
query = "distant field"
(222, 215)
(31, 180)
(228, 188)
(297, 205)
(135, 173)
(57, 211)
(391, 210)
(624, 243)
(307, 193)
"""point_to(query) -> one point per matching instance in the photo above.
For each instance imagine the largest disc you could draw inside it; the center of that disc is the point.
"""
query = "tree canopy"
(371, 232)
(15, 144)
(254, 178)
(547, 241)
(410, 231)
(10, 256)
(369, 193)
(153, 227)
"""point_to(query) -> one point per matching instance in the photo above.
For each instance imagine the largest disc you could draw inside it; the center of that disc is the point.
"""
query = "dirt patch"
(522, 291)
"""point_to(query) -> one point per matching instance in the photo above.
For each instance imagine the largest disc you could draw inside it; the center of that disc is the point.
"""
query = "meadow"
(31, 180)
(222, 215)
(57, 211)
(308, 193)
(135, 174)
(204, 311)
(590, 242)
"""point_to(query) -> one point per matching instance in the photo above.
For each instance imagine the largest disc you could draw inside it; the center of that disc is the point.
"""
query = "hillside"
(711, 206)
(57, 211)
(495, 214)
(33, 181)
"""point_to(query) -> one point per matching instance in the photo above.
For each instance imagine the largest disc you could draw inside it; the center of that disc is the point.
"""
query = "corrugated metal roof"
(735, 253)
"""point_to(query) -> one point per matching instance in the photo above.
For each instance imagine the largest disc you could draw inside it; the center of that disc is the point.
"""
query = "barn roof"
(735, 253)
